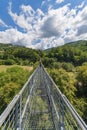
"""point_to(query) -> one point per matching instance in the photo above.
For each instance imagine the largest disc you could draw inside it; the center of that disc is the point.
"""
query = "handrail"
(79, 120)
(75, 114)
(8, 109)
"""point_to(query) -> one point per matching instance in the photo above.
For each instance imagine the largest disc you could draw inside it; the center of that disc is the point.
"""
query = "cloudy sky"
(42, 23)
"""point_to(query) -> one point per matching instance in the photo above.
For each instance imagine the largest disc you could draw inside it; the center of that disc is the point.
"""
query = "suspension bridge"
(40, 105)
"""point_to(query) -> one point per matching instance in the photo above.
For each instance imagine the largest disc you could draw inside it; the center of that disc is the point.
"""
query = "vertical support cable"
(16, 118)
(20, 112)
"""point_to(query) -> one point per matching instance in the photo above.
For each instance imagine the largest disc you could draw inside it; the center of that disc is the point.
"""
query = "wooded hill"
(75, 53)
(11, 54)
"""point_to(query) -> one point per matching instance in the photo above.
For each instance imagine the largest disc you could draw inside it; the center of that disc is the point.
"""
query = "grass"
(4, 67)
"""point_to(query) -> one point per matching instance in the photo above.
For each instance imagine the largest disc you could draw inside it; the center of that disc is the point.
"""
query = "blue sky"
(42, 24)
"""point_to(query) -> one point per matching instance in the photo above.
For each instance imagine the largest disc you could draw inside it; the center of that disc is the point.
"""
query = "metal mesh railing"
(11, 118)
(65, 116)
(40, 105)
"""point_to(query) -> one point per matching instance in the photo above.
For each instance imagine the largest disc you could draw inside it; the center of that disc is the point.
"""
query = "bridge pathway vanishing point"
(40, 105)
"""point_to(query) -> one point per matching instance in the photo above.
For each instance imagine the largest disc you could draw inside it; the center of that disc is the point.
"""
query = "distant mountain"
(77, 43)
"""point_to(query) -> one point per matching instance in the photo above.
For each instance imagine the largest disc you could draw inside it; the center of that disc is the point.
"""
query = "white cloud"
(43, 3)
(9, 35)
(81, 5)
(59, 1)
(27, 10)
(2, 23)
(46, 30)
(24, 19)
(14, 36)
(54, 23)
(49, 43)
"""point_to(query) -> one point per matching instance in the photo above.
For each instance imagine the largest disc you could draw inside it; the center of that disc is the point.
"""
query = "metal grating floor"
(39, 114)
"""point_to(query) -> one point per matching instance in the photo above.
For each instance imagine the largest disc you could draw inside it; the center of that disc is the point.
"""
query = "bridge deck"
(40, 114)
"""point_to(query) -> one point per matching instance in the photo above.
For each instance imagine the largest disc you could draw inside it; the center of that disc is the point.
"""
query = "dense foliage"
(10, 55)
(75, 53)
(11, 82)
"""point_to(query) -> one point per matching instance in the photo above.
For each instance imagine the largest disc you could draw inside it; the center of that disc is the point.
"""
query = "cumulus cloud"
(49, 29)
(45, 30)
(54, 23)
(9, 35)
(82, 30)
(16, 37)
(24, 19)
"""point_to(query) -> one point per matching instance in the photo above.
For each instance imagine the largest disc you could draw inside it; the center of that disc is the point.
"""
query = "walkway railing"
(66, 116)
(11, 118)
(40, 105)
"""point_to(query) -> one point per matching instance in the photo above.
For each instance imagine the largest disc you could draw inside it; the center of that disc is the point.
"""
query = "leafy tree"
(3, 104)
(11, 82)
(82, 79)
(65, 82)
(9, 62)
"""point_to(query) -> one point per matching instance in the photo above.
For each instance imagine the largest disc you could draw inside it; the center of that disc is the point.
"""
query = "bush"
(82, 79)
(9, 62)
(65, 81)
(11, 82)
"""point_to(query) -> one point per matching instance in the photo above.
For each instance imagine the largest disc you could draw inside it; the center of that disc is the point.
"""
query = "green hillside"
(78, 43)
(11, 54)
(75, 53)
